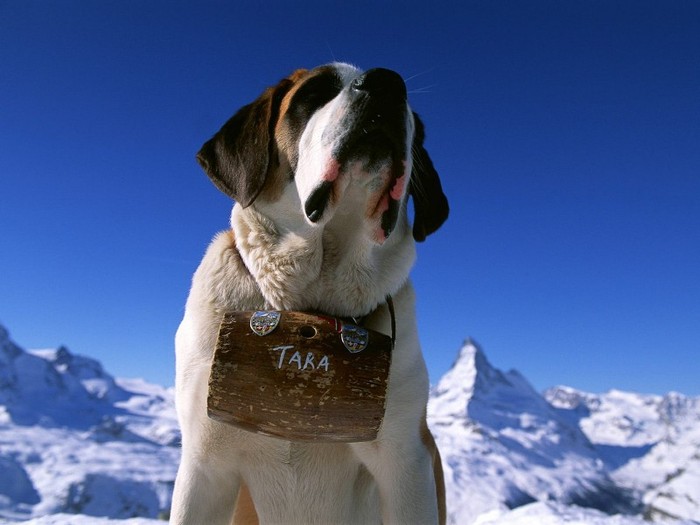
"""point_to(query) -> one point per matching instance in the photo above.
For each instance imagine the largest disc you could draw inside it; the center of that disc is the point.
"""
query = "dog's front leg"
(204, 492)
(403, 471)
(403, 459)
(208, 478)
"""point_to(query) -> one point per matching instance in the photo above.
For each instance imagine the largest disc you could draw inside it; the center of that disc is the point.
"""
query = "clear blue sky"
(567, 135)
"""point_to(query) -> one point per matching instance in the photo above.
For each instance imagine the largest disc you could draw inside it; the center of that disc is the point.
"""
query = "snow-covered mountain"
(75, 440)
(78, 446)
(504, 445)
(650, 444)
(494, 427)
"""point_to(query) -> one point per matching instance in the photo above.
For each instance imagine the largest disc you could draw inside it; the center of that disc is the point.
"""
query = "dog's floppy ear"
(240, 156)
(429, 201)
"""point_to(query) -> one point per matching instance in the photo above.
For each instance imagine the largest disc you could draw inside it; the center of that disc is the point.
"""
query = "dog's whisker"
(426, 89)
(420, 74)
(330, 49)
(416, 182)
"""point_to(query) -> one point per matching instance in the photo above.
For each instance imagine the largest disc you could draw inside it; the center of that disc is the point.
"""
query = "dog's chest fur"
(333, 270)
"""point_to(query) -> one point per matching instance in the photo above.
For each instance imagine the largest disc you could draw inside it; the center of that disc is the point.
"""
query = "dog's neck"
(334, 268)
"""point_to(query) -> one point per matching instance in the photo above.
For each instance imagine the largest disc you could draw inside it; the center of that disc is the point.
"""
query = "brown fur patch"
(281, 175)
(286, 138)
(287, 141)
(429, 442)
(277, 181)
(245, 513)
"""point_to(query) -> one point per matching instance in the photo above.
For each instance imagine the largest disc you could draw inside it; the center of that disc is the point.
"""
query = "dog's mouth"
(375, 164)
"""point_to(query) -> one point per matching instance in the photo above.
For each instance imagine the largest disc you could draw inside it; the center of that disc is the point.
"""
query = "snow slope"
(75, 440)
(78, 447)
(650, 444)
(504, 445)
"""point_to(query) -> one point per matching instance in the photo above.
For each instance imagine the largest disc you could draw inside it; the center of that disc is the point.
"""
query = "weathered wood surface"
(299, 382)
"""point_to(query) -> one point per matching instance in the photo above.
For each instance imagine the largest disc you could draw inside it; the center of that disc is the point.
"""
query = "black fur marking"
(390, 216)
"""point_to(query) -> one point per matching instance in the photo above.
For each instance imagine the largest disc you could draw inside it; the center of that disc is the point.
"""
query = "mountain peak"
(76, 442)
(473, 381)
(8, 349)
(83, 368)
(470, 363)
(54, 386)
(477, 412)
(456, 387)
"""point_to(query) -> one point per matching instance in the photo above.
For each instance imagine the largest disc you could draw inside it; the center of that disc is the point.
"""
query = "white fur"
(274, 258)
(319, 137)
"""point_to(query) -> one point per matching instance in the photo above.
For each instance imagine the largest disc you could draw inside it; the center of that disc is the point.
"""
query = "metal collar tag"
(299, 376)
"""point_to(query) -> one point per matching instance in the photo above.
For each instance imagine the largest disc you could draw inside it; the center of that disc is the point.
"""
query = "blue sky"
(567, 135)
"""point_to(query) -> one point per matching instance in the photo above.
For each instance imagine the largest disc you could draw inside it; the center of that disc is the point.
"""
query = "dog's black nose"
(380, 82)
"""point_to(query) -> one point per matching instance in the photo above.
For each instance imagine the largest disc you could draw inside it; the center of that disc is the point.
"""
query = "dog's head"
(336, 133)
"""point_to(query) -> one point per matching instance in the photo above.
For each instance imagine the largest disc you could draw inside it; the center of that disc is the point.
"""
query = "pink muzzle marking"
(332, 171)
(382, 205)
(379, 236)
(399, 186)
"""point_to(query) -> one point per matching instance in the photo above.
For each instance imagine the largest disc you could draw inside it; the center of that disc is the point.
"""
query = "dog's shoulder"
(222, 280)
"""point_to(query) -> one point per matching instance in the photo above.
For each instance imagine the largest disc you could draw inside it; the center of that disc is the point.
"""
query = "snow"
(75, 440)
(554, 513)
(78, 446)
(650, 444)
(494, 427)
(74, 519)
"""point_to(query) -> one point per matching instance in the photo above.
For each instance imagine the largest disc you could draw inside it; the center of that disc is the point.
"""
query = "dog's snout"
(375, 123)
(380, 82)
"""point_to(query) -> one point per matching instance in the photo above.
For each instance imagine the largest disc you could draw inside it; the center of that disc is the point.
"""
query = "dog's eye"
(313, 94)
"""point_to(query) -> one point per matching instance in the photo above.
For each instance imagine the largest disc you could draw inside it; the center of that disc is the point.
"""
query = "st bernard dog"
(320, 167)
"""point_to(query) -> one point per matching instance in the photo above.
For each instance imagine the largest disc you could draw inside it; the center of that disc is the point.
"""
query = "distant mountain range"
(505, 445)
(74, 441)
